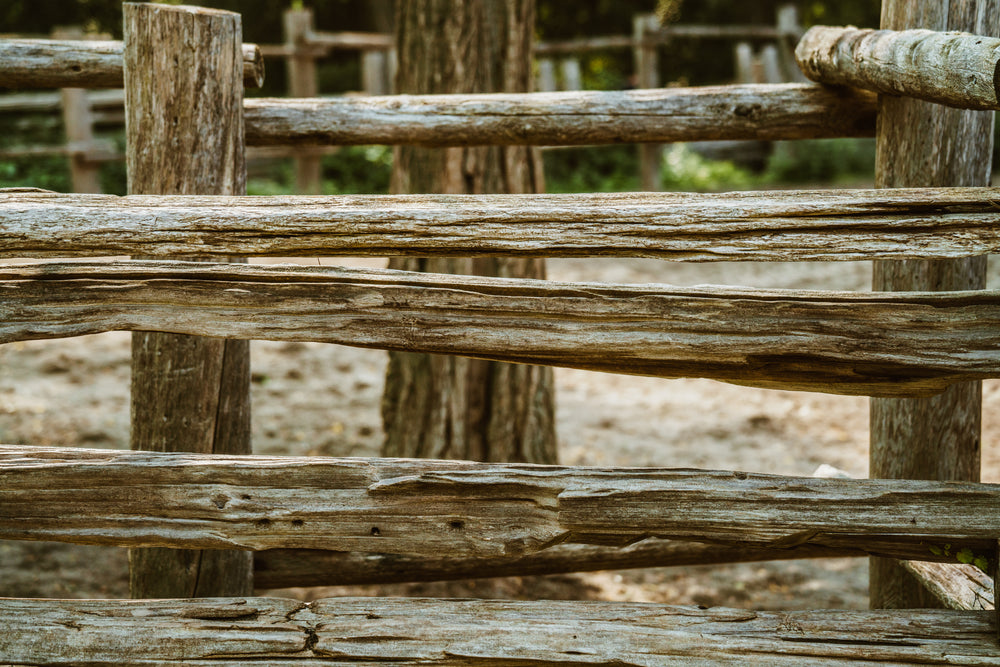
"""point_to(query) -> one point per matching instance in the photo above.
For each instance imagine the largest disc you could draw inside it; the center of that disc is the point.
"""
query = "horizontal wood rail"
(425, 507)
(52, 102)
(47, 63)
(952, 68)
(285, 568)
(371, 631)
(879, 344)
(932, 223)
(752, 112)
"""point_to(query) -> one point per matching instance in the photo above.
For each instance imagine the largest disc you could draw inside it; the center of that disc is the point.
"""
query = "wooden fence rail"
(876, 344)
(765, 112)
(47, 63)
(372, 631)
(831, 225)
(425, 507)
(952, 68)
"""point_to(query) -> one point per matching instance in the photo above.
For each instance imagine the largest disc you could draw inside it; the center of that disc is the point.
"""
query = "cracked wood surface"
(574, 118)
(48, 63)
(427, 507)
(957, 69)
(769, 226)
(957, 586)
(372, 631)
(881, 344)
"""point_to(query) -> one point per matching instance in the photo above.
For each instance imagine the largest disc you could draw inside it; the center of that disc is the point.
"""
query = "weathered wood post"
(302, 83)
(79, 123)
(923, 144)
(743, 61)
(375, 72)
(572, 76)
(647, 70)
(546, 81)
(184, 126)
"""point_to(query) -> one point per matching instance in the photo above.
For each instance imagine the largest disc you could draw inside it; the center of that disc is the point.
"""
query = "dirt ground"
(320, 399)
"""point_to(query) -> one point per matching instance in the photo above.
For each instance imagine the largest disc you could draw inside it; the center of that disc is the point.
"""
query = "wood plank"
(759, 226)
(762, 112)
(375, 631)
(286, 568)
(878, 344)
(956, 69)
(46, 63)
(349, 41)
(955, 585)
(428, 507)
(184, 133)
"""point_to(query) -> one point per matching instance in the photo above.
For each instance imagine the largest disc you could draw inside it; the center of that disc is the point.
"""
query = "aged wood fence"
(325, 520)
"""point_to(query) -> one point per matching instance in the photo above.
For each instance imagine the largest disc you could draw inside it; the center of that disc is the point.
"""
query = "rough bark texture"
(831, 225)
(365, 632)
(956, 69)
(759, 112)
(45, 63)
(900, 344)
(183, 101)
(421, 507)
(924, 144)
(446, 407)
(286, 568)
(956, 586)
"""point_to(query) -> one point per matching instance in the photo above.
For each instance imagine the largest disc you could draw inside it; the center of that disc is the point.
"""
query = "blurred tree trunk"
(449, 407)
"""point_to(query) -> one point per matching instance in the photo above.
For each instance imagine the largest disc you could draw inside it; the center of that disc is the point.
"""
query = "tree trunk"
(447, 407)
(921, 144)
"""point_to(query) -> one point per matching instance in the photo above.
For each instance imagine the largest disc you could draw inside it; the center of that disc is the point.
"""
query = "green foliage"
(357, 170)
(832, 161)
(591, 169)
(684, 170)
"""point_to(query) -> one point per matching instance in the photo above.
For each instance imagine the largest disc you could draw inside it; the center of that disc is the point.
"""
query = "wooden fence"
(451, 516)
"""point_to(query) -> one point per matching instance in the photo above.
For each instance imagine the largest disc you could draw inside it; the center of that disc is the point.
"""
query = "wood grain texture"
(957, 69)
(436, 406)
(843, 342)
(759, 112)
(184, 127)
(374, 631)
(286, 568)
(921, 144)
(955, 585)
(830, 225)
(431, 507)
(46, 63)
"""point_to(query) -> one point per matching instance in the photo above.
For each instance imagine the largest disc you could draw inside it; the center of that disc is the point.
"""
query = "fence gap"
(184, 125)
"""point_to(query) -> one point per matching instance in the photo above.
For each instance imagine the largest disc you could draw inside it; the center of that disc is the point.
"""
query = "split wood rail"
(447, 518)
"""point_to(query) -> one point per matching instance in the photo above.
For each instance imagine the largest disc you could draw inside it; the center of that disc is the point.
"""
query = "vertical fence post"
(85, 174)
(791, 31)
(302, 83)
(647, 69)
(743, 61)
(928, 145)
(546, 80)
(375, 72)
(572, 76)
(184, 126)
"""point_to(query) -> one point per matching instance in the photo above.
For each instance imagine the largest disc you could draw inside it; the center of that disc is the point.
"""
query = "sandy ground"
(324, 400)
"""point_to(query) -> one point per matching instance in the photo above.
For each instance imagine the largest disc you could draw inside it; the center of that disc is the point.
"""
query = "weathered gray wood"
(377, 631)
(284, 568)
(928, 145)
(348, 41)
(647, 75)
(760, 226)
(766, 112)
(952, 68)
(955, 585)
(45, 63)
(51, 102)
(183, 99)
(434, 508)
(877, 344)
